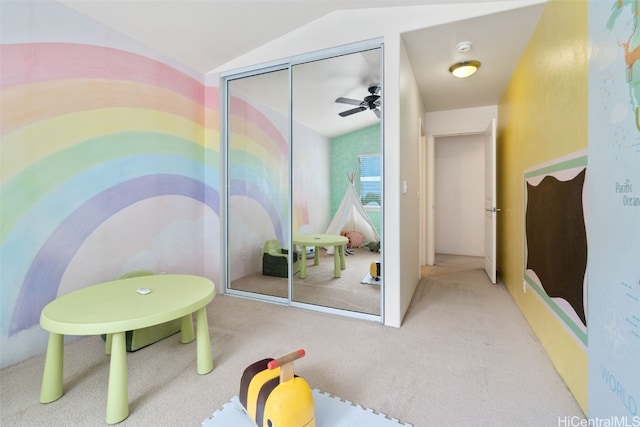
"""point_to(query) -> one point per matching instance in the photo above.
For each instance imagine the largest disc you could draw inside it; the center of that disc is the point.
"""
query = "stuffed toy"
(374, 246)
(356, 239)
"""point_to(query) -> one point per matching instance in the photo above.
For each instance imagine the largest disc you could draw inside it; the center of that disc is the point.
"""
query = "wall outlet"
(524, 286)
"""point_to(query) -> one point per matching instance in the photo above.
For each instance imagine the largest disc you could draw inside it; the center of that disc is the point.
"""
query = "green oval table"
(118, 306)
(319, 241)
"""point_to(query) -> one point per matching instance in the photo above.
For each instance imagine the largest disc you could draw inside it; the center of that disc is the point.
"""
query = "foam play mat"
(330, 411)
(368, 279)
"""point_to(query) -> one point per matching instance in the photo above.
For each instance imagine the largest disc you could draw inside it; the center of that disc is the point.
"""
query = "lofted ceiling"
(190, 32)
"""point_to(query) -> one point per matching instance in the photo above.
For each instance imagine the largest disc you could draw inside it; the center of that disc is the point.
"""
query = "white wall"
(403, 109)
(312, 164)
(460, 122)
(459, 195)
(410, 110)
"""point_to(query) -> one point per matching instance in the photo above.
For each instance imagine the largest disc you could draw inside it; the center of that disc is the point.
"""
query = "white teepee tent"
(351, 216)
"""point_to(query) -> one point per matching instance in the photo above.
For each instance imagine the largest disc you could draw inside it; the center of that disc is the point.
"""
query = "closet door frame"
(287, 64)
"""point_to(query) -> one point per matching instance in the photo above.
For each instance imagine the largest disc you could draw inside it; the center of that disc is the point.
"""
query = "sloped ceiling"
(207, 34)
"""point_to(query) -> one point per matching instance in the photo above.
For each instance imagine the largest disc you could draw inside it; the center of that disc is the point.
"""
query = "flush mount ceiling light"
(464, 68)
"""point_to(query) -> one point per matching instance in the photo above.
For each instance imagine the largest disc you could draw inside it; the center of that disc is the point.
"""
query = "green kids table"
(318, 241)
(118, 306)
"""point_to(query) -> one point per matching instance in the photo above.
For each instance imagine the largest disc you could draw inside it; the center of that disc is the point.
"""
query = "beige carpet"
(320, 287)
(464, 357)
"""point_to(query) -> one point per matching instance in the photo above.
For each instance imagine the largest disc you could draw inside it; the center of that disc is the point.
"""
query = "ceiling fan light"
(464, 68)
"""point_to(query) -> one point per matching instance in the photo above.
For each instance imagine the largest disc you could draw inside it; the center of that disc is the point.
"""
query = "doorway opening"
(460, 199)
(459, 195)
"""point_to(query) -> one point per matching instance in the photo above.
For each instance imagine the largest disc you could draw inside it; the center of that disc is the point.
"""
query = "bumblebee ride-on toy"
(273, 396)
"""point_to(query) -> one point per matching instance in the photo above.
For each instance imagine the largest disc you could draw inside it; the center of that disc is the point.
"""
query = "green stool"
(140, 338)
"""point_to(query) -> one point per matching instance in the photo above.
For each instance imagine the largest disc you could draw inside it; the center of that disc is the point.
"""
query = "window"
(370, 180)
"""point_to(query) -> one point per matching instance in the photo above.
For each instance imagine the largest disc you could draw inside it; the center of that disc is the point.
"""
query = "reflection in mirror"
(258, 184)
(337, 181)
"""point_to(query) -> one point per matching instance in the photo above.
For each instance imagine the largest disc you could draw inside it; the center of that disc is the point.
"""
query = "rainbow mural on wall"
(86, 132)
(110, 159)
(259, 164)
(257, 151)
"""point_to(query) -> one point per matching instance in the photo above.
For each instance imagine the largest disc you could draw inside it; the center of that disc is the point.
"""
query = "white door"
(490, 210)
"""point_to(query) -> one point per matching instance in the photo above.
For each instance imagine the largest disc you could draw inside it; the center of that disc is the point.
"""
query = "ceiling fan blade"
(352, 111)
(376, 112)
(349, 101)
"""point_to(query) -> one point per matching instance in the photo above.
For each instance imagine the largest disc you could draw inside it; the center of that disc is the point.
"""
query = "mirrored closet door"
(336, 195)
(304, 161)
(257, 157)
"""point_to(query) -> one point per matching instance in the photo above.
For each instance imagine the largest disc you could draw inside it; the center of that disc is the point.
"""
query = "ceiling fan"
(370, 102)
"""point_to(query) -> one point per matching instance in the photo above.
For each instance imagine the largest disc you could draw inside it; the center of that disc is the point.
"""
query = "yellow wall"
(542, 116)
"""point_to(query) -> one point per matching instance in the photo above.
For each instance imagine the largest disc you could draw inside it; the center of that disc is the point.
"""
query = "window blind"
(370, 180)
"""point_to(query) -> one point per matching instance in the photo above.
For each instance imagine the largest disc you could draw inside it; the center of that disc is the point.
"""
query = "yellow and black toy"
(374, 270)
(273, 396)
